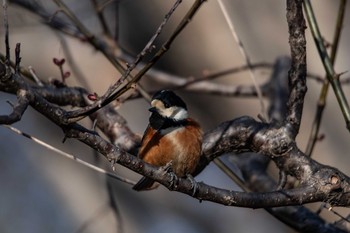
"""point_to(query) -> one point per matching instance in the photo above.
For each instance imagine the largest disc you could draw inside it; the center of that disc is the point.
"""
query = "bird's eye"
(166, 105)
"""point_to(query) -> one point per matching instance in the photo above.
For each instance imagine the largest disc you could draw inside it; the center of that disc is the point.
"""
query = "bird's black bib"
(158, 122)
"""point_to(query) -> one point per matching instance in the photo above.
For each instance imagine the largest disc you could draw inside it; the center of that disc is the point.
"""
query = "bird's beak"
(153, 109)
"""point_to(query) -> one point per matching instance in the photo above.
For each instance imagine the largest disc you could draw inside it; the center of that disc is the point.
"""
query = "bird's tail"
(144, 184)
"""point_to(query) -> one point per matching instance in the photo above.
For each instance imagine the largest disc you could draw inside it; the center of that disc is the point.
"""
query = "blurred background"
(42, 191)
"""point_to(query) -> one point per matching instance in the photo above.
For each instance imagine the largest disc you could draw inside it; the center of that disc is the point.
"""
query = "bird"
(171, 138)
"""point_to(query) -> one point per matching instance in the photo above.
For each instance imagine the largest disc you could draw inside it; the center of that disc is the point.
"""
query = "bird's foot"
(173, 178)
(168, 167)
(194, 184)
(282, 180)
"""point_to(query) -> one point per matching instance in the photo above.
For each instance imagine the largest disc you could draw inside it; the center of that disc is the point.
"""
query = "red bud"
(59, 62)
(92, 97)
(66, 74)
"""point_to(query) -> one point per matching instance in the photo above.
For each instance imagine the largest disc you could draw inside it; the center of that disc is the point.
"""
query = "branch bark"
(318, 182)
(297, 73)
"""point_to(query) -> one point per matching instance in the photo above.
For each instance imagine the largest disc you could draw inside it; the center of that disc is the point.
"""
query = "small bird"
(170, 138)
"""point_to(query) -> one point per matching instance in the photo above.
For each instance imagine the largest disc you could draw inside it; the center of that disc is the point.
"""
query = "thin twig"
(105, 4)
(76, 115)
(232, 175)
(110, 95)
(331, 209)
(147, 49)
(65, 9)
(219, 74)
(35, 77)
(332, 76)
(102, 19)
(18, 58)
(75, 68)
(69, 156)
(171, 82)
(96, 42)
(345, 80)
(245, 56)
(201, 83)
(117, 19)
(165, 47)
(324, 91)
(25, 72)
(6, 25)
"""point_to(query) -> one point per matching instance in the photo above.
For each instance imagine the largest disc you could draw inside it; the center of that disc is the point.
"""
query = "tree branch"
(328, 184)
(332, 76)
(111, 94)
(319, 183)
(18, 109)
(297, 72)
(321, 104)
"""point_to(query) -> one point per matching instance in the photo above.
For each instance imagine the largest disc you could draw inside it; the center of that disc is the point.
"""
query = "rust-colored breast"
(180, 145)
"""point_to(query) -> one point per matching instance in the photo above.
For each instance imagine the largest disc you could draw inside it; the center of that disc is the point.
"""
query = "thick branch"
(277, 89)
(18, 109)
(330, 186)
(297, 73)
(242, 134)
(14, 83)
(253, 166)
(62, 96)
(300, 218)
(116, 128)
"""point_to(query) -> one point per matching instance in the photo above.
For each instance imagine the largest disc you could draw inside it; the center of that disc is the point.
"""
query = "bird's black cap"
(169, 98)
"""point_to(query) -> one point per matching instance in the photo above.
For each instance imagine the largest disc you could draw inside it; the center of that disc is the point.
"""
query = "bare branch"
(324, 91)
(147, 49)
(116, 128)
(245, 57)
(69, 156)
(54, 22)
(334, 187)
(332, 76)
(18, 58)
(63, 7)
(276, 90)
(6, 25)
(99, 13)
(110, 95)
(297, 73)
(18, 109)
(35, 77)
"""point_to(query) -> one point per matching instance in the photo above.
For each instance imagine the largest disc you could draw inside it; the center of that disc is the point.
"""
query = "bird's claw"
(282, 180)
(168, 169)
(194, 184)
(173, 180)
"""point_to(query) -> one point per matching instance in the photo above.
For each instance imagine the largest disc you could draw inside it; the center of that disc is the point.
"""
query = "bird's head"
(168, 105)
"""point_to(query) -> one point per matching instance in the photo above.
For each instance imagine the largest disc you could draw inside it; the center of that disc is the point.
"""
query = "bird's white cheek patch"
(180, 114)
